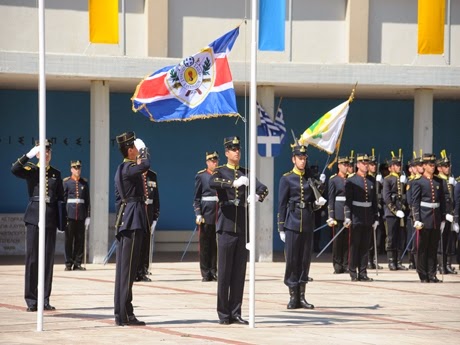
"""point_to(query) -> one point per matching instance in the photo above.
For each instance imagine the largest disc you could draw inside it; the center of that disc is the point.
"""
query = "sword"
(188, 244)
(320, 227)
(332, 240)
(408, 244)
(443, 225)
(111, 250)
(84, 248)
(152, 246)
(375, 252)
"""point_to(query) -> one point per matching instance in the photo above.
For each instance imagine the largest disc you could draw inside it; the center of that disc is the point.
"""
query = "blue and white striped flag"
(270, 134)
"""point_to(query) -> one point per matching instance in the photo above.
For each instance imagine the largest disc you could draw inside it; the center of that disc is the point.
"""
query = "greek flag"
(270, 134)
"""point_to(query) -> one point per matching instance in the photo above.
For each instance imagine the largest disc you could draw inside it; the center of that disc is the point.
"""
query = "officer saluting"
(428, 209)
(30, 172)
(298, 198)
(361, 213)
(131, 223)
(336, 198)
(231, 181)
(205, 206)
(76, 197)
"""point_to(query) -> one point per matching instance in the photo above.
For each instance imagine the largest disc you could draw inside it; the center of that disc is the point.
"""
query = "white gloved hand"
(60, 231)
(249, 198)
(331, 222)
(33, 152)
(455, 227)
(139, 144)
(240, 181)
(403, 179)
(375, 225)
(347, 222)
(452, 181)
(199, 219)
(322, 178)
(87, 221)
(283, 236)
(154, 225)
(449, 217)
(399, 214)
(379, 178)
(321, 201)
(418, 225)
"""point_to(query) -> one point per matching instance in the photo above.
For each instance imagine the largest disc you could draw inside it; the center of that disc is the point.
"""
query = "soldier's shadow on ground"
(311, 317)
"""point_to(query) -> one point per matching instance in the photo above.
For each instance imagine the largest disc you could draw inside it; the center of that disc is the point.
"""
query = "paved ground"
(180, 309)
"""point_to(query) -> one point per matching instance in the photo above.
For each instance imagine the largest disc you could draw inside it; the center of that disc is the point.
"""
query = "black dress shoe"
(310, 279)
(32, 308)
(206, 279)
(67, 268)
(146, 279)
(224, 322)
(133, 321)
(78, 268)
(354, 279)
(435, 280)
(365, 279)
(424, 280)
(238, 319)
(48, 307)
(213, 277)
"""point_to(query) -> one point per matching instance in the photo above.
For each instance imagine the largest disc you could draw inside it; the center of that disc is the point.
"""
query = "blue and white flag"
(270, 134)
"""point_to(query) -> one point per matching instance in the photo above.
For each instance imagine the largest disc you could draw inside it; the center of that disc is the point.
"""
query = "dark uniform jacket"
(393, 195)
(132, 195)
(152, 196)
(428, 202)
(208, 207)
(54, 192)
(295, 201)
(232, 215)
(457, 200)
(361, 199)
(409, 184)
(76, 197)
(448, 192)
(336, 197)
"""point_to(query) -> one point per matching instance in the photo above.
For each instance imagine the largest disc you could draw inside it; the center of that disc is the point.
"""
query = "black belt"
(48, 200)
(234, 202)
(134, 199)
(301, 204)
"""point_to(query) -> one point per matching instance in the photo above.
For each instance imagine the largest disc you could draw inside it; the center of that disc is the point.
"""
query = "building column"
(357, 30)
(423, 120)
(97, 240)
(156, 27)
(265, 172)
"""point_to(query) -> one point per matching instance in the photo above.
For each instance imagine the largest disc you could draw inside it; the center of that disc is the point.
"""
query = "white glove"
(283, 236)
(399, 214)
(240, 181)
(139, 144)
(449, 218)
(375, 225)
(249, 198)
(321, 201)
(331, 222)
(379, 178)
(403, 179)
(347, 222)
(418, 225)
(322, 178)
(33, 152)
(154, 225)
(455, 227)
(60, 231)
(199, 219)
(452, 181)
(87, 221)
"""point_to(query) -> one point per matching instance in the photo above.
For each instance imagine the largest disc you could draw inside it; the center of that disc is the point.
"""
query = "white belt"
(75, 201)
(149, 201)
(430, 204)
(340, 198)
(210, 198)
(362, 204)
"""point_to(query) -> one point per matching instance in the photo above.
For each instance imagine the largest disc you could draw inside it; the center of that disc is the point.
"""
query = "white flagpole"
(253, 165)
(42, 137)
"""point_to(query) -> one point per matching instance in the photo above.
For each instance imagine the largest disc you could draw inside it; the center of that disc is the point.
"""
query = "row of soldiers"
(415, 212)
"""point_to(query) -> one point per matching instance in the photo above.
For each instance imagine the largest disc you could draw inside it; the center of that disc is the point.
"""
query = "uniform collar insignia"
(298, 172)
(233, 167)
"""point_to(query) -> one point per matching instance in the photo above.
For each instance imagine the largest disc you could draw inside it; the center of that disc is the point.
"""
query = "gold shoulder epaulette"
(84, 179)
(457, 179)
(66, 179)
(201, 171)
(417, 176)
(332, 176)
(288, 173)
(351, 175)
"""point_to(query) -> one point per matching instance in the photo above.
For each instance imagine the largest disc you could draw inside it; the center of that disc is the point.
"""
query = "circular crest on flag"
(190, 74)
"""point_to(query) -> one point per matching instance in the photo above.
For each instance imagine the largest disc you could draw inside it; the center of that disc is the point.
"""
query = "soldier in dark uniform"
(131, 223)
(428, 208)
(446, 249)
(373, 171)
(76, 197)
(410, 230)
(231, 181)
(298, 197)
(361, 213)
(395, 207)
(205, 207)
(336, 198)
(455, 226)
(30, 172)
(152, 207)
